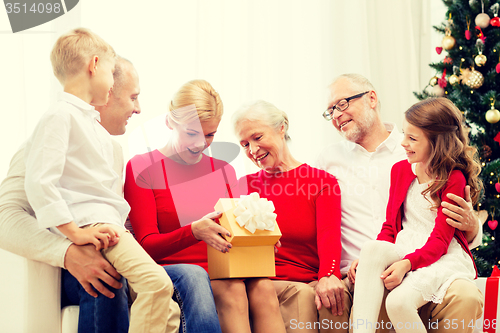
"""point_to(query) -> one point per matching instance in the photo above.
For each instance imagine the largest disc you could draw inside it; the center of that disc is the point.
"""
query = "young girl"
(415, 240)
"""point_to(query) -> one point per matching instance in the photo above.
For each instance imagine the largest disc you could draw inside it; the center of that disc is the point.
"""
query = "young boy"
(70, 180)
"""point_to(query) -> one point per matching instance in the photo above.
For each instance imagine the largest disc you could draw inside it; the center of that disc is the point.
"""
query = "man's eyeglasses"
(342, 105)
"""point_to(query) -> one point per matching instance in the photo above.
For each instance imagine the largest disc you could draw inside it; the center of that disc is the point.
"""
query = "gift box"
(491, 311)
(252, 252)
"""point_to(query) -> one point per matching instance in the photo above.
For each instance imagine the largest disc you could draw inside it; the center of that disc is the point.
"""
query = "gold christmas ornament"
(448, 42)
(454, 80)
(433, 81)
(492, 116)
(472, 78)
(480, 60)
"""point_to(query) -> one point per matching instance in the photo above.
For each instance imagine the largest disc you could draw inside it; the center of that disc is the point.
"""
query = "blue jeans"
(97, 315)
(193, 293)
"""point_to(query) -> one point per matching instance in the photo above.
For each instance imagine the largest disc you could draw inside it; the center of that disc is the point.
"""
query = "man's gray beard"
(362, 128)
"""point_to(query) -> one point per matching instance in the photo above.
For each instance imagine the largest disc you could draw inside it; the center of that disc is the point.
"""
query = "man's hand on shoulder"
(461, 214)
(90, 268)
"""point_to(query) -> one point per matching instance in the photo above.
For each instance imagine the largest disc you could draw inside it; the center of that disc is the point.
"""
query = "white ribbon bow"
(255, 213)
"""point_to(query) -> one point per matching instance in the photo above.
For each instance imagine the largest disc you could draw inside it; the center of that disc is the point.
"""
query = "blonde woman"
(172, 192)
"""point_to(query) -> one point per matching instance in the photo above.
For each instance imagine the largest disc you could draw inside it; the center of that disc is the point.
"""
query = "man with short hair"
(85, 271)
(88, 279)
(362, 165)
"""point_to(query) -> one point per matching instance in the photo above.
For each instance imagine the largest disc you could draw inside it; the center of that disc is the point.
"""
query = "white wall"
(283, 51)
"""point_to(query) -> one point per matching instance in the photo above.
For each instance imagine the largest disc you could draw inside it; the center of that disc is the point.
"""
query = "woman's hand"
(351, 273)
(207, 230)
(393, 275)
(330, 294)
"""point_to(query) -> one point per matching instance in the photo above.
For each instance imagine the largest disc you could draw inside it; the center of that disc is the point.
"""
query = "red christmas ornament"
(439, 50)
(495, 21)
(497, 137)
(467, 32)
(480, 34)
(498, 68)
(448, 60)
(497, 187)
(493, 224)
(442, 81)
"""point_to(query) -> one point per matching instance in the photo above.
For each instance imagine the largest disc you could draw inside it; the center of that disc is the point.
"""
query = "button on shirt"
(69, 173)
(364, 179)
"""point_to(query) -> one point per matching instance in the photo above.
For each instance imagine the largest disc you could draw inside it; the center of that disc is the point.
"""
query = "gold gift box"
(252, 255)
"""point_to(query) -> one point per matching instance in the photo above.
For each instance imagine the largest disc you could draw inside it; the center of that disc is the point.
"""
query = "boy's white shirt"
(69, 173)
(21, 233)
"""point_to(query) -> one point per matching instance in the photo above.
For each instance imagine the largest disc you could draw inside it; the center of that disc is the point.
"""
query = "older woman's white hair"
(261, 111)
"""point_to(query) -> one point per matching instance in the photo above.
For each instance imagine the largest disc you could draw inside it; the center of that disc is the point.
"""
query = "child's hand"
(393, 275)
(351, 273)
(102, 237)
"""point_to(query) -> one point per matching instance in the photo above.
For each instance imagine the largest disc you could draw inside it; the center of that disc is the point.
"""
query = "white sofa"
(30, 298)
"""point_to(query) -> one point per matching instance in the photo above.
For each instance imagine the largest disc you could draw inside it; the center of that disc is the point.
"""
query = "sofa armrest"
(480, 284)
(30, 298)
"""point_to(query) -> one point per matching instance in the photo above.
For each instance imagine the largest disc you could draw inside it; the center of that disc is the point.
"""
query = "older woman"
(172, 192)
(307, 202)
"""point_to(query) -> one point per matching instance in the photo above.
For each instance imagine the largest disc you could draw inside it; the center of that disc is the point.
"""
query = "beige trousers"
(461, 307)
(153, 310)
(299, 311)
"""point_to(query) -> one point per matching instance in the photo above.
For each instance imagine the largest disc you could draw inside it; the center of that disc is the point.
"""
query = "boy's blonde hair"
(73, 50)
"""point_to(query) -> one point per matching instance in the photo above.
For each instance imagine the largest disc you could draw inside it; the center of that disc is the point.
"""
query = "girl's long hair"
(442, 123)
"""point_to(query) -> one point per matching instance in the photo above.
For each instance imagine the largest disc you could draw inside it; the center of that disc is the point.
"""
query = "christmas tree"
(469, 75)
